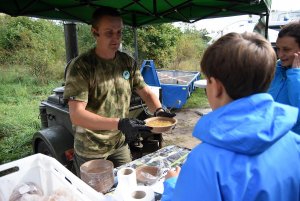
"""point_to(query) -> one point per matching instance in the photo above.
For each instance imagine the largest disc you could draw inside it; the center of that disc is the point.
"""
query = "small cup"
(98, 174)
(147, 175)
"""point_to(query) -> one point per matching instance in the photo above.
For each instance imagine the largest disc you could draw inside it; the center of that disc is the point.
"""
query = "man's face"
(109, 29)
(286, 47)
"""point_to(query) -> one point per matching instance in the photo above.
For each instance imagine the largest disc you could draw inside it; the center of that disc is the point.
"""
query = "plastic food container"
(98, 174)
(47, 174)
(147, 175)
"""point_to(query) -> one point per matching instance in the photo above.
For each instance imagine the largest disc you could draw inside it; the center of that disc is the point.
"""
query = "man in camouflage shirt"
(98, 88)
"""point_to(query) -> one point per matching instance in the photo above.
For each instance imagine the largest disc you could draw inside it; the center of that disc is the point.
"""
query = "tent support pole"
(267, 25)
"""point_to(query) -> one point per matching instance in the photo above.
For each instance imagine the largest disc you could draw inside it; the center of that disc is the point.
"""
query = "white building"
(276, 20)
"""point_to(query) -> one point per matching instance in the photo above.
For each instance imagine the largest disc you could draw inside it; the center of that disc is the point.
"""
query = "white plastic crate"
(47, 173)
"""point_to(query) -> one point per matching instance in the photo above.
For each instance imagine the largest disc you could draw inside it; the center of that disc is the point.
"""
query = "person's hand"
(160, 112)
(296, 62)
(173, 173)
(131, 127)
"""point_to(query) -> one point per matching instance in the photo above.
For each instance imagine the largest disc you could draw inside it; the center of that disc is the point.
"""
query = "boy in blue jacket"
(285, 87)
(248, 151)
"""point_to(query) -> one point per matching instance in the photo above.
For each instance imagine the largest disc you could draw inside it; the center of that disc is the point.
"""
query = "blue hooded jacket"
(248, 153)
(285, 88)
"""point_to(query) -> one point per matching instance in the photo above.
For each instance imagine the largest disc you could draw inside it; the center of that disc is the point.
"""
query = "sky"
(217, 24)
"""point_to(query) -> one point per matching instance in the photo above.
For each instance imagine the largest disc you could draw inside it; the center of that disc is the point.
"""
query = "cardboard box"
(48, 174)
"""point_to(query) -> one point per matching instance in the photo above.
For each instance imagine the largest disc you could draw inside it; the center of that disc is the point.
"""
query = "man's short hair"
(244, 63)
(291, 29)
(103, 11)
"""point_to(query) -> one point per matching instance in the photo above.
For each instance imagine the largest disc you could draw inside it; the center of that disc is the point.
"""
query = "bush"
(37, 44)
(189, 50)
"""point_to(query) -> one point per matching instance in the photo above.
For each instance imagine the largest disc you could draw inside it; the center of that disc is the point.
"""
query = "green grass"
(197, 99)
(20, 96)
(188, 65)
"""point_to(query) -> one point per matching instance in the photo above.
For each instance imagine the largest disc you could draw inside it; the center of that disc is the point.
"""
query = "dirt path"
(181, 135)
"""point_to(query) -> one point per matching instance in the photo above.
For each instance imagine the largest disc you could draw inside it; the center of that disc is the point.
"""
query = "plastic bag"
(153, 172)
(60, 195)
(27, 191)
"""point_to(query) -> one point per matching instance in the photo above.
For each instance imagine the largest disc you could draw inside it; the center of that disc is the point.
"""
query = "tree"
(155, 42)
(158, 43)
(85, 37)
(190, 46)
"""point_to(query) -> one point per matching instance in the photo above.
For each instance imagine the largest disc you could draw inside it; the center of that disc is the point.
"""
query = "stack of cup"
(98, 174)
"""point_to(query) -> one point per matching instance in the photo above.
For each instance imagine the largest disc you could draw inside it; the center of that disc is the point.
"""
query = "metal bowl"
(160, 124)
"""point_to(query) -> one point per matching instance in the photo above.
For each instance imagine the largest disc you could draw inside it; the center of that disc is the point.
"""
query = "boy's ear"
(218, 93)
(217, 87)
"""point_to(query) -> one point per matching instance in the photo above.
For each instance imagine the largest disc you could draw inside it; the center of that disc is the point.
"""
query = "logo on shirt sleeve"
(126, 75)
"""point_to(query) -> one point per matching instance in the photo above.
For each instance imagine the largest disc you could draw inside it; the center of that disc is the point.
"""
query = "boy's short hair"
(291, 29)
(244, 63)
(103, 11)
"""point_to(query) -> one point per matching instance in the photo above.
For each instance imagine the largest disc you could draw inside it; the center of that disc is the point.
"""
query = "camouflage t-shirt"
(106, 86)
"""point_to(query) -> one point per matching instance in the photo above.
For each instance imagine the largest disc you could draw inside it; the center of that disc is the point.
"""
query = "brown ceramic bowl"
(160, 124)
(147, 174)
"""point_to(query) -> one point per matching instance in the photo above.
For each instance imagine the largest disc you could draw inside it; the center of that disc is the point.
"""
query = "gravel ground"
(181, 135)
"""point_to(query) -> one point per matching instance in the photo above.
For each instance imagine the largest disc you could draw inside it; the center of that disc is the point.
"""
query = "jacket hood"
(248, 126)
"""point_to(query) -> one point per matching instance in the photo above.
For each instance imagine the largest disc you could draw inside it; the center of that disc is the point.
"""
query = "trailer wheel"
(53, 141)
(42, 147)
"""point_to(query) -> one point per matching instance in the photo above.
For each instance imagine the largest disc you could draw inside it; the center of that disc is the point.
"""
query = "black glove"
(161, 112)
(131, 128)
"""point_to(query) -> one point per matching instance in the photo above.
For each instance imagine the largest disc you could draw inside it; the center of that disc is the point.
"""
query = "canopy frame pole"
(267, 26)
